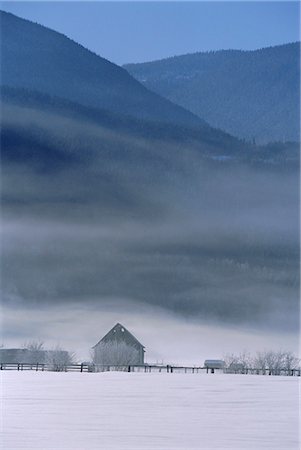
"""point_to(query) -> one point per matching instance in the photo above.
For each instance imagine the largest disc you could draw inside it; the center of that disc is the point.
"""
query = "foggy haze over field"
(224, 248)
(209, 247)
(183, 233)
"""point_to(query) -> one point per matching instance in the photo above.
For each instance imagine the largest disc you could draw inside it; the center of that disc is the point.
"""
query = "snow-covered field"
(132, 411)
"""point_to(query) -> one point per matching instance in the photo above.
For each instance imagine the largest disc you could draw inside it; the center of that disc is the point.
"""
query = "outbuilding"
(214, 364)
(118, 347)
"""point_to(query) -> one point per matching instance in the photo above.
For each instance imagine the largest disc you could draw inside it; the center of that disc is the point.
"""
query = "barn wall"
(117, 353)
(21, 355)
(27, 356)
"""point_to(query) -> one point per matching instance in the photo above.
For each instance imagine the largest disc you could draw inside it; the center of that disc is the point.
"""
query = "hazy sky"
(141, 31)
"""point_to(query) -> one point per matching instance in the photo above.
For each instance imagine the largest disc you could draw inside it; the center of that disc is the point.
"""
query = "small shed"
(214, 364)
(118, 347)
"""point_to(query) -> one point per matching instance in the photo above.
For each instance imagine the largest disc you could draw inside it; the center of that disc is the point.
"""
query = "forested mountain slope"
(35, 57)
(32, 123)
(250, 94)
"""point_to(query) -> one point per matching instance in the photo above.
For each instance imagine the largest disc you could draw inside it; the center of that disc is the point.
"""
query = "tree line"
(272, 360)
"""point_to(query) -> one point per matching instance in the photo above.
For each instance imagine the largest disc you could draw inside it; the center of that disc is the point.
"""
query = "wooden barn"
(118, 347)
(16, 356)
(29, 356)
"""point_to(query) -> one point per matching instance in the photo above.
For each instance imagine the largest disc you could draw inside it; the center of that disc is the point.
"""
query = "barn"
(16, 356)
(118, 347)
(30, 356)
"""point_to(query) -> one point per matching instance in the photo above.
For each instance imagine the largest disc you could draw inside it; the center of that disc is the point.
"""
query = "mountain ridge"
(248, 93)
(36, 57)
(209, 52)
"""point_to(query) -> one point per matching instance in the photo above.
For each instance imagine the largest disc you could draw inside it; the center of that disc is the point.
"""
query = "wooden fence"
(45, 367)
(147, 368)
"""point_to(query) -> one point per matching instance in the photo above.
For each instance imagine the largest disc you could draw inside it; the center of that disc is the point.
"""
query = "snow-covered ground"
(137, 411)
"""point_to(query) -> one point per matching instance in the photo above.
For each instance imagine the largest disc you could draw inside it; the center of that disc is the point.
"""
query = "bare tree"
(275, 361)
(245, 359)
(58, 358)
(231, 360)
(242, 361)
(35, 352)
(290, 361)
(267, 360)
(34, 345)
(260, 361)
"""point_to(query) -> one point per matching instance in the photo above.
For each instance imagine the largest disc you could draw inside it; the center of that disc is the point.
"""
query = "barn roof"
(120, 334)
(214, 361)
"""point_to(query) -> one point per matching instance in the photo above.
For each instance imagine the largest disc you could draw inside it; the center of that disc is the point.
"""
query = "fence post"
(129, 368)
(81, 367)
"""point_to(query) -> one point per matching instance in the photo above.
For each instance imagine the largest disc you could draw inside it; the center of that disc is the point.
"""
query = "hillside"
(100, 206)
(32, 132)
(35, 57)
(250, 94)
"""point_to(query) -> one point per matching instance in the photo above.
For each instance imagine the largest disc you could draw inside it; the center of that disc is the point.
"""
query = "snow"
(135, 411)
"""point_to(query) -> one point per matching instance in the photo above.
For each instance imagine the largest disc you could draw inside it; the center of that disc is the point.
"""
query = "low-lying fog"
(196, 261)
